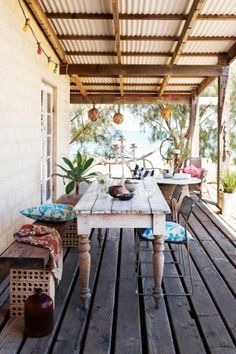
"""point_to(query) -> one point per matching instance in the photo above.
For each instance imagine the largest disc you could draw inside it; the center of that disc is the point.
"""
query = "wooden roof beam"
(79, 84)
(49, 32)
(141, 70)
(39, 14)
(130, 99)
(231, 55)
(139, 84)
(192, 16)
(139, 54)
(116, 25)
(75, 37)
(162, 17)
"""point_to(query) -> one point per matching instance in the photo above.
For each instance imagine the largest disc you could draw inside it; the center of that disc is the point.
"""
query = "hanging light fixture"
(166, 113)
(93, 114)
(118, 118)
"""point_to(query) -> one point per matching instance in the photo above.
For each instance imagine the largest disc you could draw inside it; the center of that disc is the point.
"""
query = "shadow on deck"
(119, 321)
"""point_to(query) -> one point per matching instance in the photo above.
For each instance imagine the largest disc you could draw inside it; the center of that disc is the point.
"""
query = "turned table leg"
(84, 264)
(158, 267)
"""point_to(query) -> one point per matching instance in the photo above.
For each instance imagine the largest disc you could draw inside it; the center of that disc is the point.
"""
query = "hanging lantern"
(118, 118)
(93, 114)
(166, 113)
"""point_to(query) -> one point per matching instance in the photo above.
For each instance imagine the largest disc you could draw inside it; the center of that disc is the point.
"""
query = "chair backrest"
(186, 208)
(196, 161)
(177, 193)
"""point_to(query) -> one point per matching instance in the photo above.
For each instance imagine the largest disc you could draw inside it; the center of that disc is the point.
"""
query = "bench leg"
(84, 264)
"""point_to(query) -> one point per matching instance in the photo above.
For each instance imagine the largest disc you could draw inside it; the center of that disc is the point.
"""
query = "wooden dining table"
(147, 208)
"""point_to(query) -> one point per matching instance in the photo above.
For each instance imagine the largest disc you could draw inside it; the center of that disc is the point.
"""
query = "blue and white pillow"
(50, 212)
(174, 233)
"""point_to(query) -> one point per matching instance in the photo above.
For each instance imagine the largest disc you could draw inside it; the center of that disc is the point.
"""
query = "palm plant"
(77, 172)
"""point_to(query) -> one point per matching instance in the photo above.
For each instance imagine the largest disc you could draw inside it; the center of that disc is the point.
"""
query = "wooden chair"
(177, 234)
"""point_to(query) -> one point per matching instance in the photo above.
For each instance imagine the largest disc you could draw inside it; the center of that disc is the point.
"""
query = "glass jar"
(38, 314)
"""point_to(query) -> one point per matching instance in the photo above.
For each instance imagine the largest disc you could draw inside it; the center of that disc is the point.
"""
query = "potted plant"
(228, 186)
(76, 171)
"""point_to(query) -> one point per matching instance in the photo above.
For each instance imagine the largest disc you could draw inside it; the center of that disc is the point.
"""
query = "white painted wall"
(22, 71)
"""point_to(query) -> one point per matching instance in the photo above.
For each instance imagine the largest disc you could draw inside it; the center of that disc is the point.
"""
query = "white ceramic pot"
(228, 204)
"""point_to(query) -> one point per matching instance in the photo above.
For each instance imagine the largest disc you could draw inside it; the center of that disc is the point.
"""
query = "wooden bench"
(27, 264)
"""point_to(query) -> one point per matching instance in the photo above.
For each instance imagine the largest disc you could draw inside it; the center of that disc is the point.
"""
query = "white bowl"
(131, 185)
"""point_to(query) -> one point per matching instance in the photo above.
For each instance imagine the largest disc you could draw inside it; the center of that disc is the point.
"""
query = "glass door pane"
(46, 143)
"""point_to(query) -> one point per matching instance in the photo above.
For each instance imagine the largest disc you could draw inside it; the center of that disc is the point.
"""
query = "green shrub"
(228, 182)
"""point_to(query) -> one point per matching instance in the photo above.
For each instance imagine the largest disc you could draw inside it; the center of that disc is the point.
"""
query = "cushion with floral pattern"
(174, 233)
(50, 212)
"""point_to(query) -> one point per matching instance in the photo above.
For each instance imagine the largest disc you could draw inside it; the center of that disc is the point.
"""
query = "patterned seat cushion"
(174, 233)
(50, 212)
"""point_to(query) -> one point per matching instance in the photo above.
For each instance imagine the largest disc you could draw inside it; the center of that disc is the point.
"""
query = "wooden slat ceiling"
(116, 55)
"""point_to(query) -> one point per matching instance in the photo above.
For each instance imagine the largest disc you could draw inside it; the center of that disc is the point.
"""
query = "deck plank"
(204, 310)
(71, 330)
(159, 334)
(99, 334)
(128, 331)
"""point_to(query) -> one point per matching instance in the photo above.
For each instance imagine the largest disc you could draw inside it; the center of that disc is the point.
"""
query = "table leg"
(158, 267)
(100, 237)
(84, 265)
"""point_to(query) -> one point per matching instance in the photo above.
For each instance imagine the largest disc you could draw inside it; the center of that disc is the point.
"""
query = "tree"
(92, 137)
(176, 127)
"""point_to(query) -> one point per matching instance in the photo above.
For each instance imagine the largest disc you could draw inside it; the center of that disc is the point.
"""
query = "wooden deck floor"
(119, 321)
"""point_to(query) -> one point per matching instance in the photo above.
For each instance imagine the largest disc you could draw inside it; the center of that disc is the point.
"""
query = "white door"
(46, 143)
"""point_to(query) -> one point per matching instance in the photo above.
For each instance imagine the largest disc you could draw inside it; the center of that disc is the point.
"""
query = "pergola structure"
(143, 51)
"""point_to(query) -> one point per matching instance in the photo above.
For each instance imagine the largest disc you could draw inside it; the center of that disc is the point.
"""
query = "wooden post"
(222, 131)
(195, 118)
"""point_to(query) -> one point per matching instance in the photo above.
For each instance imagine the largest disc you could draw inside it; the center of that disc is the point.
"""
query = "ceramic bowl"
(126, 196)
(117, 190)
(131, 184)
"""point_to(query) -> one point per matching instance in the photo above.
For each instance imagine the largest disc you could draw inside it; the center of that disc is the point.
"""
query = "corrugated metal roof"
(89, 46)
(208, 47)
(219, 7)
(147, 46)
(149, 28)
(154, 7)
(145, 60)
(83, 27)
(94, 59)
(187, 80)
(76, 6)
(136, 80)
(214, 28)
(144, 27)
(102, 80)
(198, 60)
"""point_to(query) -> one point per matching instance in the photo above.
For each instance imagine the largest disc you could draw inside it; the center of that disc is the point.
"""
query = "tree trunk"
(77, 188)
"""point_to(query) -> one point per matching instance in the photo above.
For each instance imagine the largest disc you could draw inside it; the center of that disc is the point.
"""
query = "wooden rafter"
(192, 16)
(42, 19)
(116, 25)
(79, 84)
(138, 54)
(162, 17)
(109, 70)
(231, 55)
(72, 37)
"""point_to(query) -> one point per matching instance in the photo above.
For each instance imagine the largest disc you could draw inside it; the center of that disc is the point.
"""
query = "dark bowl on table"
(117, 190)
(126, 196)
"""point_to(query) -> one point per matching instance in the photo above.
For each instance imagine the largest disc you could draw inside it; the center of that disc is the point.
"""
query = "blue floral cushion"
(174, 233)
(50, 212)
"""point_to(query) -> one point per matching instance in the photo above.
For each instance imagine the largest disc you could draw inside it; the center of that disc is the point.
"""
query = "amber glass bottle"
(38, 314)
